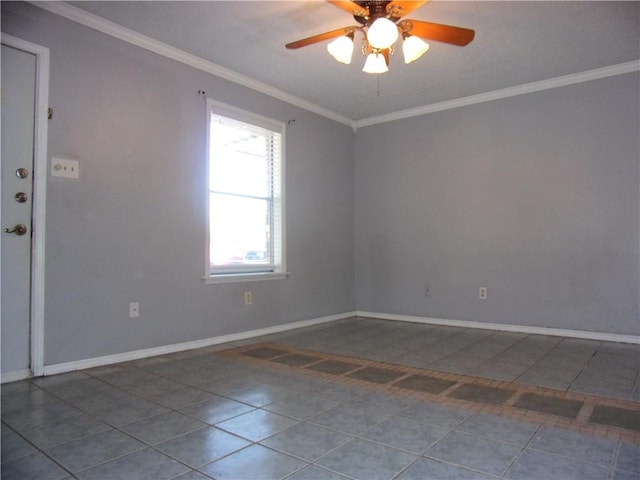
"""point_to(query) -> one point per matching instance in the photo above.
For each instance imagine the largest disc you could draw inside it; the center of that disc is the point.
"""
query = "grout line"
(452, 388)
(585, 412)
(511, 401)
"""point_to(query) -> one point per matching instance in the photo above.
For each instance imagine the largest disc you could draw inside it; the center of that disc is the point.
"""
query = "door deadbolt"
(19, 229)
(21, 197)
(22, 173)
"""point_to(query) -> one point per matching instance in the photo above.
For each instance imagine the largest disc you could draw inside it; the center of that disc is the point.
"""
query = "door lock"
(19, 229)
(22, 173)
(21, 197)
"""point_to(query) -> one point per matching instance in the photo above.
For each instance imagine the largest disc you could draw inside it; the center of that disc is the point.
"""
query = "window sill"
(244, 277)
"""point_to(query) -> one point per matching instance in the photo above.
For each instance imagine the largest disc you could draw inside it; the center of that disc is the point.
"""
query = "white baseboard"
(15, 376)
(179, 347)
(234, 337)
(557, 332)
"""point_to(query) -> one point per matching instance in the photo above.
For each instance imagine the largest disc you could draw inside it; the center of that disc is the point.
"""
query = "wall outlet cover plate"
(63, 167)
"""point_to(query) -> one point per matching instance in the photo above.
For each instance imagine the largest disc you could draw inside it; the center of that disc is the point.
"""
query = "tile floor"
(581, 412)
(203, 414)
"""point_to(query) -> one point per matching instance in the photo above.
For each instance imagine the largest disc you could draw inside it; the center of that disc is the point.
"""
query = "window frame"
(243, 272)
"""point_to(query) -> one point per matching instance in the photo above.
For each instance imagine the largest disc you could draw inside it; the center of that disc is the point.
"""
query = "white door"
(18, 105)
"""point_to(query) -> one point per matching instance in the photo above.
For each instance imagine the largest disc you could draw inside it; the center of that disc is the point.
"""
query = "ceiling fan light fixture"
(375, 63)
(342, 48)
(382, 33)
(413, 48)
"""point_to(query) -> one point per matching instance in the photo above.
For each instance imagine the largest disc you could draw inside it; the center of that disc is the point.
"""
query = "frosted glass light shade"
(382, 33)
(375, 64)
(341, 49)
(413, 48)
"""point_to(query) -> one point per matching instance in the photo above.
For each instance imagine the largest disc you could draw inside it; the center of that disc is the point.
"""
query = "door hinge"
(49, 113)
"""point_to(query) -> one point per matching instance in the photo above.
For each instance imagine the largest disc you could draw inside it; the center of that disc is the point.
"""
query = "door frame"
(39, 203)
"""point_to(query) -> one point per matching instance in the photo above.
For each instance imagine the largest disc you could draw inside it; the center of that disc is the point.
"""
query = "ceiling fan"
(381, 22)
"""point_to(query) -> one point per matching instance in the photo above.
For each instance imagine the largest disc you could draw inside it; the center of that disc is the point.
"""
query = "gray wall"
(535, 197)
(133, 227)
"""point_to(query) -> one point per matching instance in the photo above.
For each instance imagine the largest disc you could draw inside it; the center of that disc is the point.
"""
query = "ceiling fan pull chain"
(378, 85)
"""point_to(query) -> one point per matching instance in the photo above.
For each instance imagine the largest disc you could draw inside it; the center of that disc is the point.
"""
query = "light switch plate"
(63, 167)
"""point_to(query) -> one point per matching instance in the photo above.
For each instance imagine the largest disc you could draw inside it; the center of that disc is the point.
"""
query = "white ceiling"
(516, 43)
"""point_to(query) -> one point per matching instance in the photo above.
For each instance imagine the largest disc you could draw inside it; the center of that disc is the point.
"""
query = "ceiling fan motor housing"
(377, 9)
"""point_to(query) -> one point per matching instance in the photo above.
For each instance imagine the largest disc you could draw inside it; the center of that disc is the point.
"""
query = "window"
(246, 211)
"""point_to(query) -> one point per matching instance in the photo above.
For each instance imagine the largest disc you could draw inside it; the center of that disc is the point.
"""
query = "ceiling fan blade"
(399, 8)
(438, 32)
(321, 37)
(351, 7)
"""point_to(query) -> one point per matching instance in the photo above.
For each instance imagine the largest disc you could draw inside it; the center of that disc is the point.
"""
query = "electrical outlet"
(134, 309)
(482, 293)
(427, 289)
(248, 298)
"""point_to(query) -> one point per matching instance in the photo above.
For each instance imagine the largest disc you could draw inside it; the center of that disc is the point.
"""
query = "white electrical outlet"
(248, 298)
(427, 289)
(134, 309)
(482, 293)
(63, 167)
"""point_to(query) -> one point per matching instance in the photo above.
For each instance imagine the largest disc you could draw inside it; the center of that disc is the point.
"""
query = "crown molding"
(117, 31)
(523, 89)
